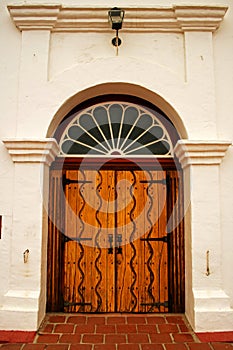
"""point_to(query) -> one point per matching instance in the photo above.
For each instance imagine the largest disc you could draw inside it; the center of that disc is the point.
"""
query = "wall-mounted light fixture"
(116, 17)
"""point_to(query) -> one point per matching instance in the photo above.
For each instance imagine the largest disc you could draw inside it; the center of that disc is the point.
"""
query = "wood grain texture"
(175, 228)
(136, 275)
(55, 243)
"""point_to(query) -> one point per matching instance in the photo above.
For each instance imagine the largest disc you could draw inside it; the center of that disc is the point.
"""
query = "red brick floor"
(113, 332)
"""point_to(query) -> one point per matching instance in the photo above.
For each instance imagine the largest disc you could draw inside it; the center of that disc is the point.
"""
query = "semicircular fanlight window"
(113, 129)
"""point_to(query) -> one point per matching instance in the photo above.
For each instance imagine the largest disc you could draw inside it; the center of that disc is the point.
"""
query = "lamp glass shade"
(116, 16)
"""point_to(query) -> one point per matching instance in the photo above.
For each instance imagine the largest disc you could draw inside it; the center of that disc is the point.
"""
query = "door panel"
(84, 274)
(111, 263)
(125, 295)
(142, 268)
(89, 277)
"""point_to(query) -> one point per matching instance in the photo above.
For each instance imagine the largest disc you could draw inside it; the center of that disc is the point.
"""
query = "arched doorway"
(116, 241)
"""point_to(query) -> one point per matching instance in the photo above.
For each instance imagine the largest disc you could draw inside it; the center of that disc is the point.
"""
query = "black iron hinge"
(67, 303)
(162, 181)
(157, 304)
(77, 239)
(160, 239)
(67, 181)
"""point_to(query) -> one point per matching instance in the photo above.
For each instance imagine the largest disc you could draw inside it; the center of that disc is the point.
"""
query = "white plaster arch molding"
(64, 92)
(170, 93)
(138, 91)
(161, 88)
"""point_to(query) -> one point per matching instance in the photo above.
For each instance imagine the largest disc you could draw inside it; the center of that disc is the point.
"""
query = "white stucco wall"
(43, 75)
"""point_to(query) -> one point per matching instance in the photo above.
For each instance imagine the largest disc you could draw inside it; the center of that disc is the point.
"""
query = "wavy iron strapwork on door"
(116, 129)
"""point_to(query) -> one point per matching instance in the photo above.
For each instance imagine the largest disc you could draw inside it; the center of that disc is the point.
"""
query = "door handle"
(119, 241)
(110, 249)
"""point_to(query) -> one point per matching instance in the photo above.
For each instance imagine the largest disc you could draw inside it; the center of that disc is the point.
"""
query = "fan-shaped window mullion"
(116, 128)
(135, 140)
(100, 125)
(143, 146)
(110, 127)
(120, 129)
(101, 131)
(130, 131)
(86, 145)
(90, 135)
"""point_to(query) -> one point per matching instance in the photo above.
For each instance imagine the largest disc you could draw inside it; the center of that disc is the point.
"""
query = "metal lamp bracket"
(116, 16)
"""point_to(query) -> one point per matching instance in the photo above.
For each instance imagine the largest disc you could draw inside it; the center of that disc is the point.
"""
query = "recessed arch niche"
(114, 101)
(132, 91)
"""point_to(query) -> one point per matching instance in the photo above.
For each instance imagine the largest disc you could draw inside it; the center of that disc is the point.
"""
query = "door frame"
(176, 261)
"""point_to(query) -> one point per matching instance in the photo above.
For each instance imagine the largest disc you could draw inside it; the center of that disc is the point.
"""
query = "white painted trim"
(32, 151)
(200, 152)
(209, 306)
(61, 18)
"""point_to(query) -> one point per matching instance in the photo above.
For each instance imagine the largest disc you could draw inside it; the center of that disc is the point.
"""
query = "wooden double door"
(112, 250)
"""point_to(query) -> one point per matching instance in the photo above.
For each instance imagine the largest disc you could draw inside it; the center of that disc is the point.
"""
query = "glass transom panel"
(116, 129)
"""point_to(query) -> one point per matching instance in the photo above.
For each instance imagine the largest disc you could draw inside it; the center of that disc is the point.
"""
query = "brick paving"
(114, 332)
